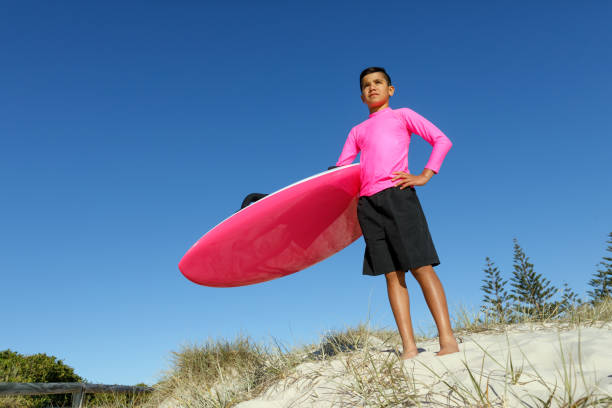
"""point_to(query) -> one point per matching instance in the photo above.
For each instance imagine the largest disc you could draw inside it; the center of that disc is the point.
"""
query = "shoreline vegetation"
(532, 345)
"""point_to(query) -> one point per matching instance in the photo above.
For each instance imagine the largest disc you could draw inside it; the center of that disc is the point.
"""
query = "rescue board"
(280, 234)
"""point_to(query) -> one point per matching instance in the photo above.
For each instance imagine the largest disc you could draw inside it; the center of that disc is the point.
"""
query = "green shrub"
(36, 368)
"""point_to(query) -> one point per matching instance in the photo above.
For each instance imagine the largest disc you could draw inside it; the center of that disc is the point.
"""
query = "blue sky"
(128, 130)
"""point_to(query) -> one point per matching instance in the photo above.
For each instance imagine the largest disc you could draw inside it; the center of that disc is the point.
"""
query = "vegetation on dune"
(222, 373)
(532, 296)
(602, 279)
(496, 300)
(119, 400)
(531, 292)
(340, 341)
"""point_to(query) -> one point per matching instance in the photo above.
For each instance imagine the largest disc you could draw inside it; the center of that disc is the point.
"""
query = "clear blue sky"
(128, 130)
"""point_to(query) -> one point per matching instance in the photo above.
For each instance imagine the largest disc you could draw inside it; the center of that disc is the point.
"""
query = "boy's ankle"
(446, 342)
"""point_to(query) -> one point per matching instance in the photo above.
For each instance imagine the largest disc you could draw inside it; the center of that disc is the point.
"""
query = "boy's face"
(375, 91)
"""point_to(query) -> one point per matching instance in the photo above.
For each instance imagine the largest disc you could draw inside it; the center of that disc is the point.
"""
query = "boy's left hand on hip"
(407, 180)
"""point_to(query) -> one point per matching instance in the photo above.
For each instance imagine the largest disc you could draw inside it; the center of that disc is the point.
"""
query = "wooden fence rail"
(78, 390)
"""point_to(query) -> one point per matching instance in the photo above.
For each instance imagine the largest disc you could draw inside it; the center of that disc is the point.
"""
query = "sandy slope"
(537, 370)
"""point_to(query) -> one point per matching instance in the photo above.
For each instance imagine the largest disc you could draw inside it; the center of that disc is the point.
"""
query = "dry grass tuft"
(221, 373)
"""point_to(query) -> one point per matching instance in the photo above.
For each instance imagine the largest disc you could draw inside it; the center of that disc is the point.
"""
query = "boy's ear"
(391, 90)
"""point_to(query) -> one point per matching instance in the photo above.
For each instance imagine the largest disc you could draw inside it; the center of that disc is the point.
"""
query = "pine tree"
(569, 299)
(602, 280)
(495, 295)
(530, 291)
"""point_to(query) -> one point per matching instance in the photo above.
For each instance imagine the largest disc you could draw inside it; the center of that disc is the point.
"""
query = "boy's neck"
(374, 109)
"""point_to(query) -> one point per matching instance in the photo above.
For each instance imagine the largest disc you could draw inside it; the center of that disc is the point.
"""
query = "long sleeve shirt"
(383, 140)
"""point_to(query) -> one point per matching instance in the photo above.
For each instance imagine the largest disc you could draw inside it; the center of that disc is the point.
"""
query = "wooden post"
(78, 398)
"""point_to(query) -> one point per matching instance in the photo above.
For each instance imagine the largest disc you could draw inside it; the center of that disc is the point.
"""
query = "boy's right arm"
(350, 150)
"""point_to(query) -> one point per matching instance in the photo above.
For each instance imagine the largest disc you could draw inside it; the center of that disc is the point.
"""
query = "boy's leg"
(436, 300)
(400, 305)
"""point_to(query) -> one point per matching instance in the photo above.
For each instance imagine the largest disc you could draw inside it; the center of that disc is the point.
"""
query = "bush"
(36, 368)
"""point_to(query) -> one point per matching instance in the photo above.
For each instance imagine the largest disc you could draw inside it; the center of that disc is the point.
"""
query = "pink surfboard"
(282, 233)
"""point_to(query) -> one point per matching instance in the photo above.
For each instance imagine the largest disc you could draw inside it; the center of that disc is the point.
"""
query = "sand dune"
(521, 366)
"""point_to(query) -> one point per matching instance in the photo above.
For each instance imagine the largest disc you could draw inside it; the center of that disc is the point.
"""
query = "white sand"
(368, 377)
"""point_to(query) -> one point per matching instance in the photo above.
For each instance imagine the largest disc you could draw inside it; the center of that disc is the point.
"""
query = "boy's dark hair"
(371, 70)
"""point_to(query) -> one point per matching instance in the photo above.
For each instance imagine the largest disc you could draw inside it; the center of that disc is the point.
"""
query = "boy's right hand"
(251, 198)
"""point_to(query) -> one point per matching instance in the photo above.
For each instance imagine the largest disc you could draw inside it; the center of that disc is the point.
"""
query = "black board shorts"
(395, 231)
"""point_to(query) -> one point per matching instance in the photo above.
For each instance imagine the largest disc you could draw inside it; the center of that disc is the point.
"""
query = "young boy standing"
(391, 218)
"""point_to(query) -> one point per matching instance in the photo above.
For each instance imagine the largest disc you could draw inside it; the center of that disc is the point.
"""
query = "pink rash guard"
(383, 140)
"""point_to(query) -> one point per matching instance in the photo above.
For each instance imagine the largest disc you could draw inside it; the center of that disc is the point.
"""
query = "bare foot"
(448, 347)
(408, 354)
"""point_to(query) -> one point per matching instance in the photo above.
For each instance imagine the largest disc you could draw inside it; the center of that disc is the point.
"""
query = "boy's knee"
(396, 278)
(422, 271)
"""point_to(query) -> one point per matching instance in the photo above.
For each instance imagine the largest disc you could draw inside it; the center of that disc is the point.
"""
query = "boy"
(391, 218)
